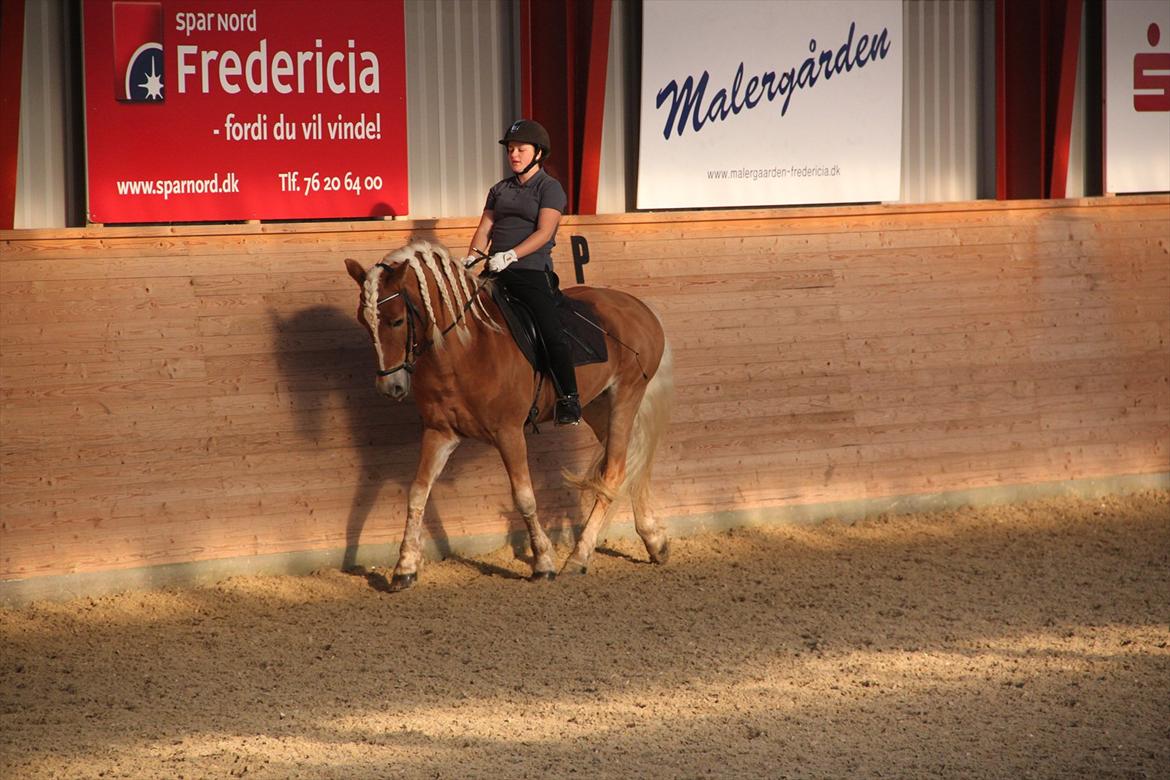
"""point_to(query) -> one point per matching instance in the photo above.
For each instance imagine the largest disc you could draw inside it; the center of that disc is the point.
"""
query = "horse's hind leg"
(596, 416)
(514, 452)
(609, 481)
(437, 447)
(652, 532)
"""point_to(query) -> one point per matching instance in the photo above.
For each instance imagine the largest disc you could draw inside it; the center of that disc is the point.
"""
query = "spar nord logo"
(138, 52)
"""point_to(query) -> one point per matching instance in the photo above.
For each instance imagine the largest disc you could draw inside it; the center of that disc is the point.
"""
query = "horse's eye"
(396, 323)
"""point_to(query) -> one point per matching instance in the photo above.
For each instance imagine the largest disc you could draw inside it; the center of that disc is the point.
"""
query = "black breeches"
(538, 290)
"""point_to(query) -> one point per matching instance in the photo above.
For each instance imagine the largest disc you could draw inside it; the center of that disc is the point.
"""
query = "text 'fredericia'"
(340, 72)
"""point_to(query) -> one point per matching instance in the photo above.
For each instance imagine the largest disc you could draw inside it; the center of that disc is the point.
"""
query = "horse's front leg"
(514, 452)
(437, 447)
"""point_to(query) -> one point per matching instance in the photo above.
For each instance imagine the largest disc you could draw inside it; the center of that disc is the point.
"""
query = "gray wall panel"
(1075, 183)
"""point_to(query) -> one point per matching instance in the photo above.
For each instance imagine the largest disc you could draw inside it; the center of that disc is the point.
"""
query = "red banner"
(220, 111)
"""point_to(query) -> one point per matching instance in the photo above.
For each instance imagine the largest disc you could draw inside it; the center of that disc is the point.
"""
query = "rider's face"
(519, 155)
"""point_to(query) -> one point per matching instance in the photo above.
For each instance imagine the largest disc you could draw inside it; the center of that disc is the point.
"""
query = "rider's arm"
(546, 227)
(479, 241)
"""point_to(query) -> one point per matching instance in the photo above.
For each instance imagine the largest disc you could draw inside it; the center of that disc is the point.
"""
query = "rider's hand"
(470, 260)
(501, 260)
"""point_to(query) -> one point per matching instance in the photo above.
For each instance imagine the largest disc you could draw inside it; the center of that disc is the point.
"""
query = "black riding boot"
(568, 409)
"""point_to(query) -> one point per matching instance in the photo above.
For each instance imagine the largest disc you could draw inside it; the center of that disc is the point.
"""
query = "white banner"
(766, 102)
(1137, 96)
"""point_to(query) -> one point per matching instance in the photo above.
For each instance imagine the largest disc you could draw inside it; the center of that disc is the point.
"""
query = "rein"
(413, 349)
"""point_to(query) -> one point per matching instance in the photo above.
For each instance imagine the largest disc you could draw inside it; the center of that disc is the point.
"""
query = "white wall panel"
(44, 159)
(620, 128)
(462, 91)
(945, 115)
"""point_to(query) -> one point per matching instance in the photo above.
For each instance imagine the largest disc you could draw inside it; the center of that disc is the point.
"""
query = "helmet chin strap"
(535, 159)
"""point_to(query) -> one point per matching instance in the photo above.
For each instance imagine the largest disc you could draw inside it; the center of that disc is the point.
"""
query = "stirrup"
(568, 410)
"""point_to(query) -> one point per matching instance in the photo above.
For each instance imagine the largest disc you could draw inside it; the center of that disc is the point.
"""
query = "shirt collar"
(516, 179)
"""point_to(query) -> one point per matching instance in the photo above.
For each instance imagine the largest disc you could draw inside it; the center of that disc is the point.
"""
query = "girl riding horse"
(519, 228)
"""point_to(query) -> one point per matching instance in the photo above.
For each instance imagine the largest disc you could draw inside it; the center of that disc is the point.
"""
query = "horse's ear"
(355, 270)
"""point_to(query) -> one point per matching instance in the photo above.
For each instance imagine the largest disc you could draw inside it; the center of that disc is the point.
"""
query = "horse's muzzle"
(396, 385)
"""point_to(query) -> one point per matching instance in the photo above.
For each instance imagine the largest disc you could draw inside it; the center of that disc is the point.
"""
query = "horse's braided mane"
(455, 284)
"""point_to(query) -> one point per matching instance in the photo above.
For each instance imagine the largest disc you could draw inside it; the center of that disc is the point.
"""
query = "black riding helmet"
(526, 131)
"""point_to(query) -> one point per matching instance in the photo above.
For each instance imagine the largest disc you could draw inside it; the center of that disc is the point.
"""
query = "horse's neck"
(463, 329)
(453, 384)
(474, 347)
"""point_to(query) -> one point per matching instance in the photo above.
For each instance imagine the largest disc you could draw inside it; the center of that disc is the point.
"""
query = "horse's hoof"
(663, 554)
(574, 569)
(543, 576)
(402, 581)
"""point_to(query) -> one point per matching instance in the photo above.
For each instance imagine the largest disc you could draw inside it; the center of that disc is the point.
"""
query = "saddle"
(579, 322)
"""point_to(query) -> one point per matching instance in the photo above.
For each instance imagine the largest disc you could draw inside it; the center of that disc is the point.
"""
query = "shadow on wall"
(326, 365)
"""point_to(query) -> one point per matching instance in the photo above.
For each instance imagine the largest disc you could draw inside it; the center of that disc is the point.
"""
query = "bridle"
(414, 349)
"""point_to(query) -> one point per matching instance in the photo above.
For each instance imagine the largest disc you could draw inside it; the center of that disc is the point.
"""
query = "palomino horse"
(479, 385)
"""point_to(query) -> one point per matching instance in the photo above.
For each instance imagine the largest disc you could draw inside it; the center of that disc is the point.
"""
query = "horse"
(437, 332)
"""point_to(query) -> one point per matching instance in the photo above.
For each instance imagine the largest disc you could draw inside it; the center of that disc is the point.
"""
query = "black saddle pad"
(579, 322)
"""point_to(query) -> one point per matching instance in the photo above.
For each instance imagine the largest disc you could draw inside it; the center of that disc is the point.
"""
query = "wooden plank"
(87, 373)
(99, 351)
(1135, 366)
(65, 296)
(63, 334)
(765, 253)
(383, 238)
(1008, 302)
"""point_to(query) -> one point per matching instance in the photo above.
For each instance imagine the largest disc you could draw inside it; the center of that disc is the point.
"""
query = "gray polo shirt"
(515, 207)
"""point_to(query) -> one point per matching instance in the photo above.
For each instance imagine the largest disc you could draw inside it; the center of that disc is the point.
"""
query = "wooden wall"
(196, 393)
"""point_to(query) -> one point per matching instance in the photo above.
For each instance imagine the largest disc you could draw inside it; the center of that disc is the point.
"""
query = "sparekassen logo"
(1151, 75)
(138, 52)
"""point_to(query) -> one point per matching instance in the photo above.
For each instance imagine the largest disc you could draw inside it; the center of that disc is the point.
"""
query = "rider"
(518, 228)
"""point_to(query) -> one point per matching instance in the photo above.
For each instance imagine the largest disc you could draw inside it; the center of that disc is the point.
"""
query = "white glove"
(470, 261)
(501, 260)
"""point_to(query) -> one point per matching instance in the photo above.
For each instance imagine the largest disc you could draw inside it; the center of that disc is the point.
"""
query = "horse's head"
(404, 320)
(393, 321)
